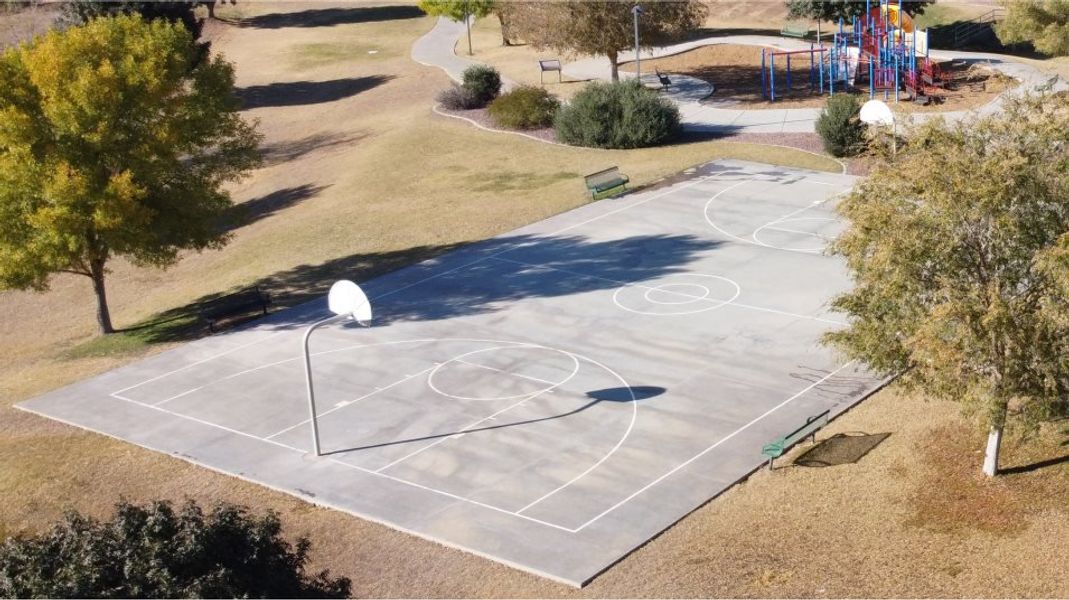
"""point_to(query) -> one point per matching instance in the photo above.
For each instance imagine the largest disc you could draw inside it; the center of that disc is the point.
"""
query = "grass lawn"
(362, 178)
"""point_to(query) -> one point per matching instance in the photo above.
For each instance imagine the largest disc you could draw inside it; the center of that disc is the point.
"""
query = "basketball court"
(551, 398)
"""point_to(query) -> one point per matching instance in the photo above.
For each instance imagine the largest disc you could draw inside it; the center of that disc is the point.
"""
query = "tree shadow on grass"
(288, 150)
(1035, 466)
(250, 211)
(328, 17)
(471, 279)
(298, 93)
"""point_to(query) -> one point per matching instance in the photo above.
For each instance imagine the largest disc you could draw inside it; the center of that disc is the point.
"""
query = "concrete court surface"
(550, 398)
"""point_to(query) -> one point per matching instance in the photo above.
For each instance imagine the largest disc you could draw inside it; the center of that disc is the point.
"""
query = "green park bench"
(795, 29)
(778, 446)
(609, 182)
(240, 302)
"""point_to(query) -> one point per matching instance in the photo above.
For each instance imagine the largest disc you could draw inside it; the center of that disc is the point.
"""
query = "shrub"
(617, 115)
(482, 81)
(526, 107)
(840, 126)
(155, 551)
(456, 97)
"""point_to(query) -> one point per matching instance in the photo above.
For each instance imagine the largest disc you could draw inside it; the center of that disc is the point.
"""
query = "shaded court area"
(551, 398)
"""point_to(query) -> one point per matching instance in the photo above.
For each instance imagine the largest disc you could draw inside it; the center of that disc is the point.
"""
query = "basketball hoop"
(345, 299)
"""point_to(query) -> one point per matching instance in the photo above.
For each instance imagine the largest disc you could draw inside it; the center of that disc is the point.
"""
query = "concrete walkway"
(437, 49)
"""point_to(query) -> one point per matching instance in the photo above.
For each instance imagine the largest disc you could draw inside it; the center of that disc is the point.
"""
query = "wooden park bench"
(240, 302)
(795, 29)
(549, 64)
(609, 182)
(778, 446)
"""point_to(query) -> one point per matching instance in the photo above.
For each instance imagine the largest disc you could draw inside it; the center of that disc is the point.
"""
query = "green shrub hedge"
(840, 126)
(483, 81)
(526, 107)
(617, 115)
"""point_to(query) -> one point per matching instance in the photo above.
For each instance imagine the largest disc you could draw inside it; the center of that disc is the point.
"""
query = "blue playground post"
(772, 76)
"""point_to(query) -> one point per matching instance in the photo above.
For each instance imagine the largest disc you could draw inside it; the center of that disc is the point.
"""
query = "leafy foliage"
(115, 140)
(483, 81)
(526, 107)
(155, 551)
(833, 10)
(840, 126)
(1043, 23)
(617, 115)
(457, 97)
(457, 10)
(603, 27)
(960, 254)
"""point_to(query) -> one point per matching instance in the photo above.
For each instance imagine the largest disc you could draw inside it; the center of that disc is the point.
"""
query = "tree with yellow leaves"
(115, 140)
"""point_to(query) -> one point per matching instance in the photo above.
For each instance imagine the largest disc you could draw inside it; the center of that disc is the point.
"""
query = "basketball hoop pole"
(345, 299)
(308, 380)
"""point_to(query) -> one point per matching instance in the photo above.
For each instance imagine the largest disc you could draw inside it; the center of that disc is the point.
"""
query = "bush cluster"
(617, 115)
(840, 126)
(526, 107)
(481, 84)
(158, 551)
(483, 81)
(457, 97)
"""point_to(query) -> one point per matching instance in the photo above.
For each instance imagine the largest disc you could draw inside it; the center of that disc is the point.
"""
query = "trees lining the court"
(116, 138)
(960, 255)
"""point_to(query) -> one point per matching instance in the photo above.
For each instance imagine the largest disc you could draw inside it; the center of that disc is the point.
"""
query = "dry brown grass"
(372, 179)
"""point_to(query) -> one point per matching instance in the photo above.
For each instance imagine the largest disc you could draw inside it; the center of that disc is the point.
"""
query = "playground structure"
(882, 49)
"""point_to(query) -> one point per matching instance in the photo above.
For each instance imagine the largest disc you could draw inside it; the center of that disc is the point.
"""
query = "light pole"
(636, 10)
(345, 299)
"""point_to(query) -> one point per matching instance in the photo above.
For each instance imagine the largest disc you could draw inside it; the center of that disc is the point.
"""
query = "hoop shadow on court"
(841, 449)
(617, 394)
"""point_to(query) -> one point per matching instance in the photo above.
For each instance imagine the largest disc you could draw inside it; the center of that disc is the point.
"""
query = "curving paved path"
(436, 49)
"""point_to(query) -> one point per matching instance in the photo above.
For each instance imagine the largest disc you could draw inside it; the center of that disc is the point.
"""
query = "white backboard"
(876, 112)
(346, 298)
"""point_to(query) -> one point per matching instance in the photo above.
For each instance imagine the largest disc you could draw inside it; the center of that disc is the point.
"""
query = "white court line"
(353, 466)
(553, 233)
(463, 430)
(453, 496)
(201, 361)
(489, 368)
(756, 241)
(710, 448)
(320, 415)
(208, 423)
(619, 443)
(798, 231)
(681, 294)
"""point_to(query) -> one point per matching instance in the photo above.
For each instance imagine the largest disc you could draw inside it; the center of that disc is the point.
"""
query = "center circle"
(680, 293)
(677, 296)
(457, 371)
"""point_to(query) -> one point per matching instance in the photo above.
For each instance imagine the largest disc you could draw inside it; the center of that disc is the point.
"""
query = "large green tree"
(956, 254)
(1042, 23)
(115, 140)
(459, 10)
(833, 10)
(604, 28)
(156, 551)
